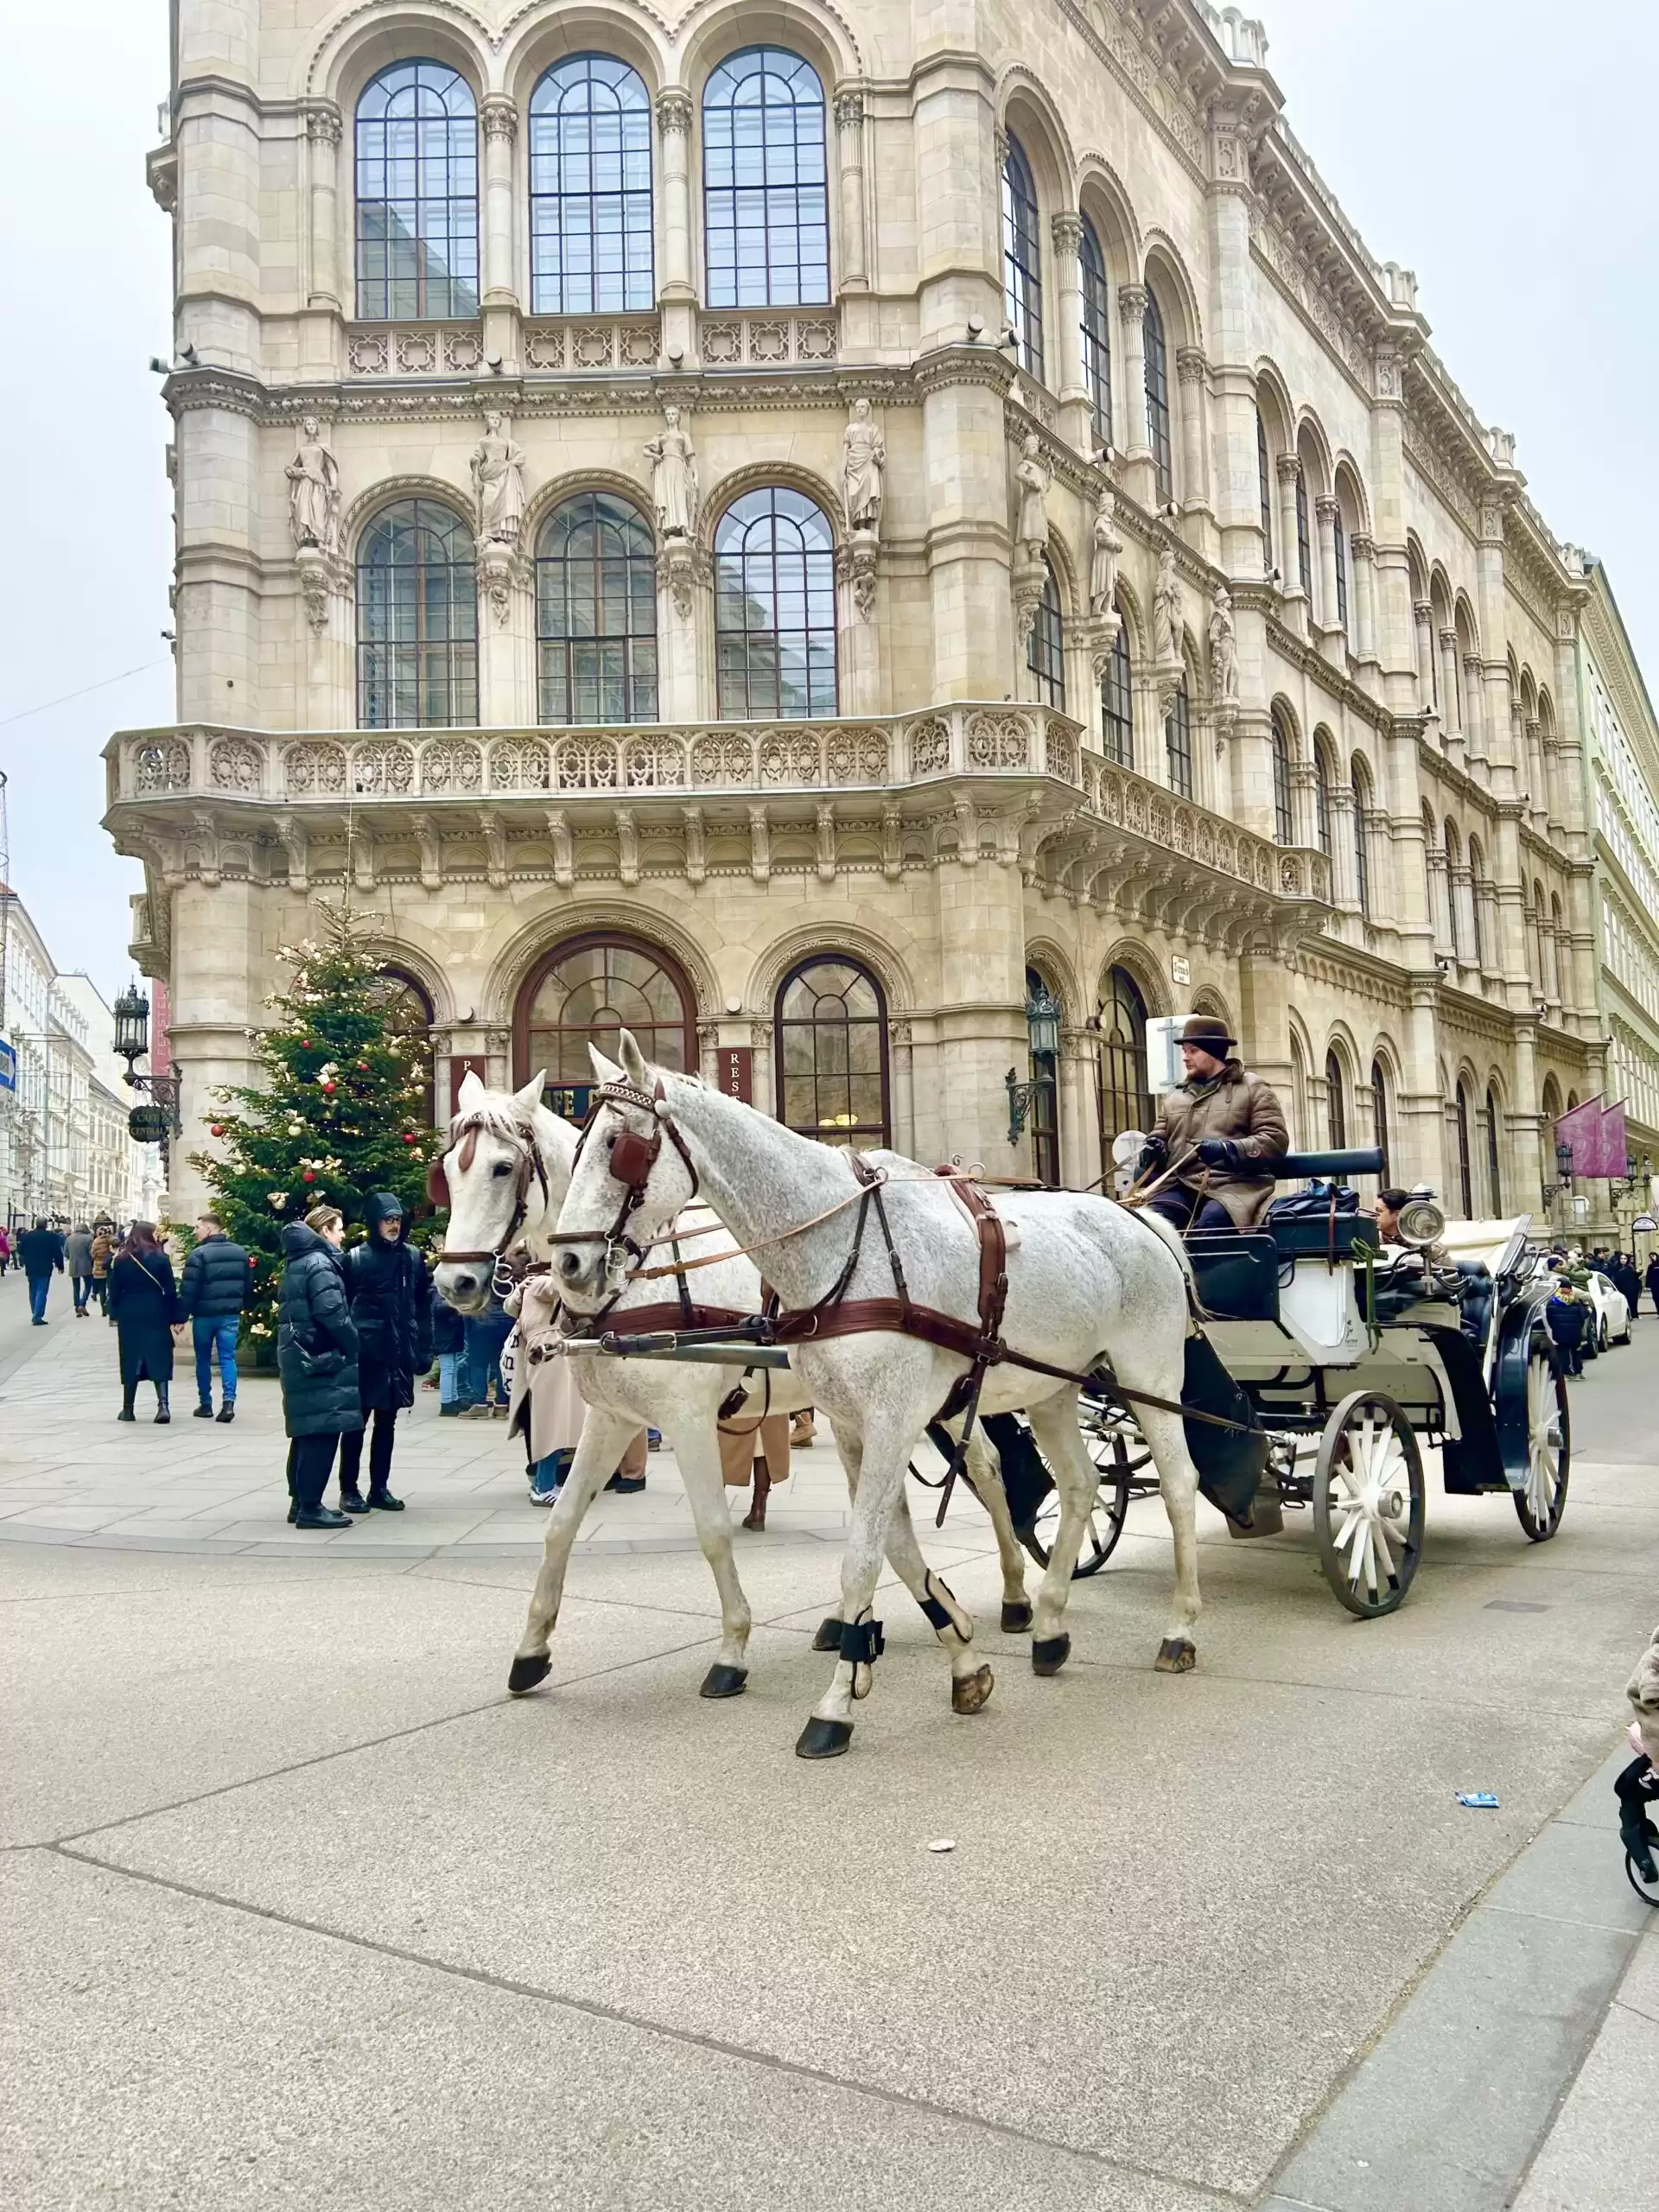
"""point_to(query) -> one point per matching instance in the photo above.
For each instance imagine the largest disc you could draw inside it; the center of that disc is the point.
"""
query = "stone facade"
(1343, 806)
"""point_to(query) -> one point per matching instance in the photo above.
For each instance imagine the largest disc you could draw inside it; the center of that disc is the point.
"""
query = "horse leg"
(1178, 1480)
(604, 1437)
(698, 1454)
(984, 1475)
(1054, 1424)
(882, 1461)
(950, 1620)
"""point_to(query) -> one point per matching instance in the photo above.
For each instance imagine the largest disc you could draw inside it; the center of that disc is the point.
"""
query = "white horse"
(1085, 1278)
(507, 1169)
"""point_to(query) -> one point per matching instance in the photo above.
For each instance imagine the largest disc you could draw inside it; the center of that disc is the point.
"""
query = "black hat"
(1208, 1032)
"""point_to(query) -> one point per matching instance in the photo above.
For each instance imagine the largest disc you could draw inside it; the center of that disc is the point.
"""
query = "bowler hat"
(1208, 1033)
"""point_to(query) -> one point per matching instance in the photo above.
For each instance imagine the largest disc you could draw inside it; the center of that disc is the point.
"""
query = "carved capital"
(855, 563)
(323, 124)
(500, 571)
(1422, 611)
(688, 570)
(500, 117)
(1327, 509)
(1132, 301)
(849, 110)
(674, 113)
(1386, 366)
(1287, 467)
(1000, 141)
(1066, 230)
(1190, 365)
(1364, 547)
(1449, 640)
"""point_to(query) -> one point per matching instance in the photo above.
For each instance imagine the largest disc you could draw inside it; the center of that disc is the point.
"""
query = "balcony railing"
(769, 339)
(966, 739)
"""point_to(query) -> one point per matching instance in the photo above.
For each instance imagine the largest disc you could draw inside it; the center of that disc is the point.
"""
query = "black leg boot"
(127, 1394)
(163, 1413)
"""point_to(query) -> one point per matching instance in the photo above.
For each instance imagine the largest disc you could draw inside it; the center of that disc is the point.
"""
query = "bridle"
(630, 1161)
(466, 1128)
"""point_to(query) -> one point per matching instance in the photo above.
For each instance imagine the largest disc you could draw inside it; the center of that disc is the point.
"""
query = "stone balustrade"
(730, 340)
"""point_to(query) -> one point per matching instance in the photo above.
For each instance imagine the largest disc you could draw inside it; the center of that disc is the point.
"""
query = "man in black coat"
(391, 1305)
(40, 1254)
(212, 1293)
(316, 1357)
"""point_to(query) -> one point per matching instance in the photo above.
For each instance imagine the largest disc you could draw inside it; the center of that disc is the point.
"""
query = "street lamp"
(1043, 1030)
(1564, 1166)
(131, 1043)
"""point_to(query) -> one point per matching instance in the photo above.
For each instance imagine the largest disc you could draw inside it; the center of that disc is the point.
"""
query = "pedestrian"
(486, 1334)
(1564, 1316)
(1637, 1785)
(449, 1344)
(212, 1294)
(391, 1306)
(77, 1255)
(1653, 1280)
(5, 1249)
(103, 1244)
(1629, 1281)
(316, 1359)
(755, 1448)
(39, 1251)
(549, 1410)
(145, 1305)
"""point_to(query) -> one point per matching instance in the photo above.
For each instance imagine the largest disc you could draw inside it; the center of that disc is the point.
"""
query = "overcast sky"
(1497, 146)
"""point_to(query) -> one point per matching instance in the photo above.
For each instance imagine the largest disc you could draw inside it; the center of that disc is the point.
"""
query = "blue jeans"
(451, 1375)
(486, 1334)
(82, 1287)
(38, 1286)
(220, 1329)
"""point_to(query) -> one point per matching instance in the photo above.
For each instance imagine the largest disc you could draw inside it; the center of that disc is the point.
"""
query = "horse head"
(627, 1185)
(504, 1175)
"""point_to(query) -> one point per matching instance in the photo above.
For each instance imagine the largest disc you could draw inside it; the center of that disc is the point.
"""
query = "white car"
(1612, 1311)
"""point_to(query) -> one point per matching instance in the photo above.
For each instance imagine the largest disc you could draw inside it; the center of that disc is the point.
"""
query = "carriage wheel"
(1541, 1498)
(1368, 1502)
(1113, 1464)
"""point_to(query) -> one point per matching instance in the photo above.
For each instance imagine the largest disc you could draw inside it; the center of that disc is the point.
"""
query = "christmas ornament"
(310, 1176)
(216, 1128)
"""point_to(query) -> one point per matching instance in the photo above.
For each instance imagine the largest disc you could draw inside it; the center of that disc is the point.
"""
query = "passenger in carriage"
(1220, 1131)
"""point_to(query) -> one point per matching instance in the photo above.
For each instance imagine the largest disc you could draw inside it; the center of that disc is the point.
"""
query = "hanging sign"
(149, 1124)
(1646, 1223)
(8, 1067)
(736, 1076)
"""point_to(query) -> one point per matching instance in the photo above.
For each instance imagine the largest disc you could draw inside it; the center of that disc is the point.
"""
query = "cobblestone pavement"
(300, 1910)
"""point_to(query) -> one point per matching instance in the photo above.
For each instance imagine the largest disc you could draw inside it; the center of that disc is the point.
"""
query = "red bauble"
(310, 1176)
(216, 1128)
(329, 1089)
(362, 1063)
(307, 1046)
(409, 1137)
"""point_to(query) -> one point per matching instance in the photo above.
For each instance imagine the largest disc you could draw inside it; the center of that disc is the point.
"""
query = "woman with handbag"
(316, 1358)
(144, 1307)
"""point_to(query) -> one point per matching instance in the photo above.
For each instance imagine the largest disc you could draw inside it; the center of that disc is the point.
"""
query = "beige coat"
(1643, 1691)
(1234, 1105)
(546, 1403)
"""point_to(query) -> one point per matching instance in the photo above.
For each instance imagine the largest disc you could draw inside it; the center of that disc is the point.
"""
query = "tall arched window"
(1022, 258)
(1465, 1177)
(596, 612)
(1125, 1097)
(1380, 1116)
(1178, 742)
(1322, 796)
(1264, 490)
(587, 991)
(1304, 540)
(766, 198)
(416, 619)
(1361, 791)
(1157, 357)
(1339, 540)
(1097, 331)
(590, 190)
(409, 1016)
(416, 194)
(1494, 1171)
(830, 1037)
(1284, 814)
(1044, 1073)
(1336, 1103)
(1046, 653)
(774, 608)
(1117, 701)
(1476, 873)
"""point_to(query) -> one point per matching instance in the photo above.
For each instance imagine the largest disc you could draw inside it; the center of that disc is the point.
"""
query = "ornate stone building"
(800, 527)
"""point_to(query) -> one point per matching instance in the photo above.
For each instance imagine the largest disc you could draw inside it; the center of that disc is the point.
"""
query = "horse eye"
(500, 1168)
(610, 1142)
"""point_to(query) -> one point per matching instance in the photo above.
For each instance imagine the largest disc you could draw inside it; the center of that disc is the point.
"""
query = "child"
(449, 1342)
(1637, 1785)
(1566, 1315)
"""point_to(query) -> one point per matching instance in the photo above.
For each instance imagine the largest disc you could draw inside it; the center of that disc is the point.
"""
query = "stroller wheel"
(1648, 1892)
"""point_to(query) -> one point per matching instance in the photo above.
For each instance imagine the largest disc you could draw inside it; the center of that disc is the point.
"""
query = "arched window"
(1117, 701)
(1284, 814)
(1361, 792)
(1322, 796)
(590, 190)
(1157, 356)
(1494, 1173)
(416, 619)
(409, 1014)
(1339, 540)
(589, 990)
(1477, 873)
(1380, 1116)
(1097, 331)
(1465, 1179)
(1125, 1097)
(831, 1038)
(1044, 1072)
(774, 608)
(416, 195)
(1336, 1103)
(596, 612)
(1304, 541)
(1264, 489)
(1046, 653)
(1178, 743)
(765, 199)
(1022, 258)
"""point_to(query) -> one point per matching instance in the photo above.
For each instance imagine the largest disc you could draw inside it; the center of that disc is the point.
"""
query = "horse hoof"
(1177, 1655)
(969, 1693)
(1049, 1654)
(724, 1682)
(824, 1739)
(829, 1636)
(1016, 1620)
(526, 1672)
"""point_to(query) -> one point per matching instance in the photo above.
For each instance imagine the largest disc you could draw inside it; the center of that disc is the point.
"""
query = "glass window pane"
(416, 194)
(765, 210)
(774, 607)
(416, 619)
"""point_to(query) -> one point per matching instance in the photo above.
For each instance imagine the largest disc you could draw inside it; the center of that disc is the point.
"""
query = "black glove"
(1218, 1152)
(1156, 1151)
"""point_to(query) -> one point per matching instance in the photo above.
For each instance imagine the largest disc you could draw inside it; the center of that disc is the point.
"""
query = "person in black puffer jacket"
(385, 1280)
(316, 1357)
(213, 1291)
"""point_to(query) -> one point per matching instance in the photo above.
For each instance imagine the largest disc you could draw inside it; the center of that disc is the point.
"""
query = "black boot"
(127, 1397)
(163, 1414)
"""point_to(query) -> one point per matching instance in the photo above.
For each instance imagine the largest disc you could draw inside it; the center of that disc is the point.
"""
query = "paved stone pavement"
(300, 1910)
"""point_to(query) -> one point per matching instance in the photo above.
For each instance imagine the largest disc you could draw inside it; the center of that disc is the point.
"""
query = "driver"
(1217, 1128)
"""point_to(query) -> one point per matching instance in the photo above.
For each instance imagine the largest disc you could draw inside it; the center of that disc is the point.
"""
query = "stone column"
(676, 295)
(1191, 371)
(1327, 520)
(1067, 232)
(1363, 584)
(1451, 706)
(1345, 878)
(1423, 617)
(849, 146)
(323, 131)
(1131, 318)
(1474, 703)
(500, 118)
(1288, 469)
(965, 459)
(1439, 901)
(1392, 638)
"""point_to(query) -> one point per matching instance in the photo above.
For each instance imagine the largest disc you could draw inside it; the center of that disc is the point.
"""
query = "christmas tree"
(339, 1114)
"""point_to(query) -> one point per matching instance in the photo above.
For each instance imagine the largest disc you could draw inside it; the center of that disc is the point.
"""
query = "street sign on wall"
(8, 1067)
(736, 1073)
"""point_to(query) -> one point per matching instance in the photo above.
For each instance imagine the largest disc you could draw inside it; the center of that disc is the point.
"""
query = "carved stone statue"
(1033, 480)
(1224, 651)
(674, 477)
(498, 483)
(314, 490)
(1167, 610)
(1103, 567)
(864, 465)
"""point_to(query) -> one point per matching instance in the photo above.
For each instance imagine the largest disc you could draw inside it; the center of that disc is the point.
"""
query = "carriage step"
(1267, 1517)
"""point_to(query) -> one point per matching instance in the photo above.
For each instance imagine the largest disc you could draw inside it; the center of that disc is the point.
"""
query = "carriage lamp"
(131, 1026)
(1043, 1029)
(131, 1043)
(1564, 1166)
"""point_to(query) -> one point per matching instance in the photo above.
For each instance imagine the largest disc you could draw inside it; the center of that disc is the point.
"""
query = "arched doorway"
(831, 1038)
(587, 991)
(1125, 1096)
(1044, 1073)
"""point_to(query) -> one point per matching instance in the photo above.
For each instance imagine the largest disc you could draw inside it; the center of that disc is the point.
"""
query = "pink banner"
(1581, 1128)
(1615, 1142)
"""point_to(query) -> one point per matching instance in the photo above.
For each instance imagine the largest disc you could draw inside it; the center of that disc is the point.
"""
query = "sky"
(1496, 147)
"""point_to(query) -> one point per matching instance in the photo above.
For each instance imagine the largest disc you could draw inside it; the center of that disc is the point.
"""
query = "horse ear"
(604, 1071)
(472, 1092)
(633, 1062)
(437, 1185)
(530, 1097)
